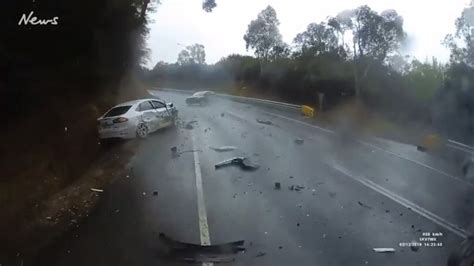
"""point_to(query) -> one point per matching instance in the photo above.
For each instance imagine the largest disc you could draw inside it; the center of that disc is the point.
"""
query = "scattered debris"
(256, 154)
(155, 193)
(260, 254)
(223, 148)
(290, 177)
(174, 152)
(364, 205)
(387, 211)
(299, 141)
(298, 224)
(384, 250)
(265, 122)
(201, 253)
(414, 247)
(97, 190)
(277, 185)
(243, 162)
(222, 114)
(189, 125)
(295, 187)
(280, 247)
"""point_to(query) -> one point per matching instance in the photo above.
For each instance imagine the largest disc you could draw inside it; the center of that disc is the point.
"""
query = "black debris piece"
(413, 226)
(387, 211)
(243, 162)
(290, 177)
(222, 114)
(260, 254)
(299, 141)
(174, 151)
(223, 148)
(155, 193)
(277, 185)
(265, 122)
(298, 224)
(201, 253)
(295, 187)
(280, 247)
(414, 248)
(364, 205)
(332, 194)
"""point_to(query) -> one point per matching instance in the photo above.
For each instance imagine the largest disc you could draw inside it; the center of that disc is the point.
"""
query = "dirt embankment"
(50, 158)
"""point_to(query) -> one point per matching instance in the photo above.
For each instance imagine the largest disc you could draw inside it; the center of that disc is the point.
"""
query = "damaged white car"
(136, 119)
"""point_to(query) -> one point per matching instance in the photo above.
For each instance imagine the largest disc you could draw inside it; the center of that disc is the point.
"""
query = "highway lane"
(334, 220)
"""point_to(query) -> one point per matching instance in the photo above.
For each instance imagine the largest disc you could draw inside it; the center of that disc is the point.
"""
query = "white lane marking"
(203, 225)
(419, 163)
(300, 122)
(404, 202)
(379, 148)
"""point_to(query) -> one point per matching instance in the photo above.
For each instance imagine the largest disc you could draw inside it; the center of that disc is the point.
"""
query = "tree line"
(353, 55)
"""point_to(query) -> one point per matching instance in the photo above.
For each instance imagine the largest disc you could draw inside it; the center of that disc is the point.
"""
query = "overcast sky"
(183, 22)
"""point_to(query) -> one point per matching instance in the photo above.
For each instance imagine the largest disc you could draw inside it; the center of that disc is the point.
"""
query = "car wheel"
(142, 131)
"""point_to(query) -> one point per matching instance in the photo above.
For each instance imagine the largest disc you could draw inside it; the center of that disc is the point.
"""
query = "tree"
(209, 5)
(376, 35)
(461, 43)
(192, 55)
(263, 34)
(317, 39)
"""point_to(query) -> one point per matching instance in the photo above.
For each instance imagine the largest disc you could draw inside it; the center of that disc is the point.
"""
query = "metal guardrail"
(262, 102)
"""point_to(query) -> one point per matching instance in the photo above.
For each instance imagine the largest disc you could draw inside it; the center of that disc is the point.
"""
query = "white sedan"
(136, 119)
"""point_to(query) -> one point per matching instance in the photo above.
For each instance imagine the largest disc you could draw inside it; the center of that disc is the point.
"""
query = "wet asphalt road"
(357, 196)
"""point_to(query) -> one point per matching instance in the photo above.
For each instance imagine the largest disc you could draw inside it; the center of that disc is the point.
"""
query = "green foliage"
(263, 34)
(461, 43)
(318, 39)
(209, 5)
(424, 79)
(193, 54)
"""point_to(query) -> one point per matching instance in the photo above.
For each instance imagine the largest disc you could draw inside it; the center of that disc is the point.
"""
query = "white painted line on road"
(419, 163)
(404, 202)
(464, 182)
(203, 225)
(300, 122)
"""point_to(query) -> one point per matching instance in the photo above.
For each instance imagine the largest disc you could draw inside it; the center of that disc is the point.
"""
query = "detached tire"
(142, 131)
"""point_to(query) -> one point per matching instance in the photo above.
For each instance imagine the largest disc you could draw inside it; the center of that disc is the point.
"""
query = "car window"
(145, 106)
(120, 110)
(158, 104)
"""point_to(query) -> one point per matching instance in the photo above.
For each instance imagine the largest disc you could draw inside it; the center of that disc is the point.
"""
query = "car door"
(163, 114)
(149, 115)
